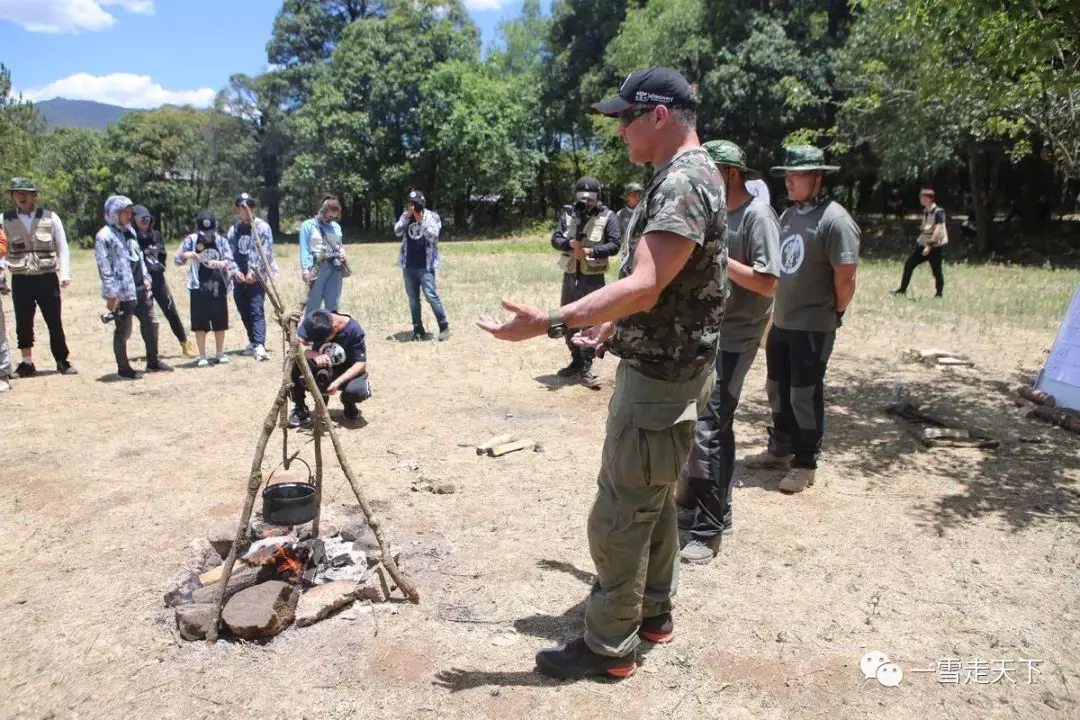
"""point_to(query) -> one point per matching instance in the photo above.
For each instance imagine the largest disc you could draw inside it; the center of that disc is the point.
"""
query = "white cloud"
(68, 16)
(124, 89)
(481, 5)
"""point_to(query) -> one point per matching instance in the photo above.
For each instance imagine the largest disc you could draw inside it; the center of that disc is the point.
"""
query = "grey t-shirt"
(753, 240)
(812, 243)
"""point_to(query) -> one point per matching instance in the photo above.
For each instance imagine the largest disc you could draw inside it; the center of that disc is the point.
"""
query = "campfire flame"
(288, 562)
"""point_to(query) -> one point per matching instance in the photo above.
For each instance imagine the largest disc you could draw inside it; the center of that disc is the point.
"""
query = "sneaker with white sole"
(248, 350)
(767, 461)
(222, 359)
(260, 353)
(698, 552)
(202, 362)
(5, 386)
(797, 480)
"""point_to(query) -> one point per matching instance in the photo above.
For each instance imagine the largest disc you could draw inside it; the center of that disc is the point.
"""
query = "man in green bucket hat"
(819, 252)
(40, 267)
(754, 268)
(632, 193)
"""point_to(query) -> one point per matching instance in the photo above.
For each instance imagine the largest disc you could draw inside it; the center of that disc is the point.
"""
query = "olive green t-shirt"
(753, 240)
(813, 241)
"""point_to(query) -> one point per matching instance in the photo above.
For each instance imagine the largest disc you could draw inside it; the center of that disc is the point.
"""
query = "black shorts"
(209, 312)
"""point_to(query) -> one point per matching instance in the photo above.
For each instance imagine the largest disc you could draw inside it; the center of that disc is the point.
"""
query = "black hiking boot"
(659, 629)
(575, 660)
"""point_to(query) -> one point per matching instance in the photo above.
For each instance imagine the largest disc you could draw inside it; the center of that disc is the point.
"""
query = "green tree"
(69, 168)
(21, 129)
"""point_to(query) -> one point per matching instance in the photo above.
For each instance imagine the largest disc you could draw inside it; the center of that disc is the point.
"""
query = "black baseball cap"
(417, 197)
(245, 199)
(205, 221)
(139, 212)
(587, 184)
(655, 86)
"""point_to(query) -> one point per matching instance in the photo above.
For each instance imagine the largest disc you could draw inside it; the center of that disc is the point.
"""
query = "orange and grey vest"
(33, 251)
(593, 235)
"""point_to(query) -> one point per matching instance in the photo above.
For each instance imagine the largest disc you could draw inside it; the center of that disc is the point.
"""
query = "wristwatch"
(556, 326)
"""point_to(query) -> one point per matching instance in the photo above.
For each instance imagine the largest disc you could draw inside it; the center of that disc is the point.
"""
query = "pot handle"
(311, 476)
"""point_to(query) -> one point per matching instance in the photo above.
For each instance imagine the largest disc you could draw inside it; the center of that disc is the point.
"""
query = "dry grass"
(921, 554)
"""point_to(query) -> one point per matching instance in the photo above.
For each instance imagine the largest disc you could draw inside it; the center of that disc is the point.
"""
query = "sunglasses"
(628, 116)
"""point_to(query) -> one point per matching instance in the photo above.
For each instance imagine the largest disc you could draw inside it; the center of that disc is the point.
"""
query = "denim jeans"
(326, 290)
(417, 279)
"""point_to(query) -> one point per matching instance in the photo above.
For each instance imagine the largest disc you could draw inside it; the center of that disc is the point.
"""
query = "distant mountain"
(61, 112)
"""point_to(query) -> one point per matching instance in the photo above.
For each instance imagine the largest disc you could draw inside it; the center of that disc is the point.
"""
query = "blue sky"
(143, 53)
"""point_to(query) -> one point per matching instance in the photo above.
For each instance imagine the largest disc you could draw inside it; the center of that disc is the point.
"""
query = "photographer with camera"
(125, 285)
(322, 257)
(337, 356)
(419, 259)
(587, 235)
(209, 281)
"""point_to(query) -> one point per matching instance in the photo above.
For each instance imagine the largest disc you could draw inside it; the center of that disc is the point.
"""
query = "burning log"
(1036, 396)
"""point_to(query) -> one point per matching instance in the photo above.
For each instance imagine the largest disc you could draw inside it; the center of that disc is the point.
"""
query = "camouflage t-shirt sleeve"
(763, 240)
(842, 241)
(678, 206)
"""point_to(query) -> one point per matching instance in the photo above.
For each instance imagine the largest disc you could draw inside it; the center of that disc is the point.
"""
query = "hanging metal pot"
(289, 503)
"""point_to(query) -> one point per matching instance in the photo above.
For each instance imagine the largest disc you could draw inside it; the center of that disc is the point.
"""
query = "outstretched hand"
(595, 338)
(528, 322)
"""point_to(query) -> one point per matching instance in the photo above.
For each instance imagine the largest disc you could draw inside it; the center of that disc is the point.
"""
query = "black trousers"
(574, 288)
(29, 292)
(797, 360)
(125, 314)
(916, 259)
(165, 301)
(709, 473)
(356, 390)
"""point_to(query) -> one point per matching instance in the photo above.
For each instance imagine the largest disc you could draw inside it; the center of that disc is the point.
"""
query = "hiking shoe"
(588, 379)
(203, 362)
(299, 416)
(222, 359)
(260, 353)
(444, 333)
(26, 369)
(797, 480)
(571, 370)
(686, 518)
(658, 629)
(157, 366)
(248, 350)
(898, 291)
(575, 660)
(188, 348)
(129, 374)
(351, 411)
(64, 368)
(698, 552)
(5, 386)
(767, 461)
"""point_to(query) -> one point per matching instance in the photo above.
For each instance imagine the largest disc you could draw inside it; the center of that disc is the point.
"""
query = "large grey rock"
(354, 530)
(193, 621)
(221, 537)
(202, 556)
(321, 601)
(261, 611)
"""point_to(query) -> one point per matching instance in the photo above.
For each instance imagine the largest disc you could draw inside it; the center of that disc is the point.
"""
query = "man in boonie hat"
(819, 252)
(632, 193)
(754, 268)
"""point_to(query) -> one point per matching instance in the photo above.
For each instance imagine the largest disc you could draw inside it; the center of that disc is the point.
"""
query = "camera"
(107, 317)
(581, 208)
(323, 377)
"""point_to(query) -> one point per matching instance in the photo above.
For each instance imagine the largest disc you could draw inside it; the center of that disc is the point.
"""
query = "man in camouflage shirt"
(661, 317)
(819, 253)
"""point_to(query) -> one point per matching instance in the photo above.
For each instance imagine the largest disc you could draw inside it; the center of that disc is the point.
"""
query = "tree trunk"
(979, 194)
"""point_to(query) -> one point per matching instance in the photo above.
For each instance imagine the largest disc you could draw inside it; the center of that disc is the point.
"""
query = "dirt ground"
(925, 555)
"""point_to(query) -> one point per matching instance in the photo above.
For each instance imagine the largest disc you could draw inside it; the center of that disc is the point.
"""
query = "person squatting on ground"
(586, 236)
(420, 259)
(754, 269)
(322, 257)
(209, 281)
(819, 252)
(338, 360)
(40, 267)
(661, 317)
(248, 290)
(126, 286)
(155, 257)
(933, 236)
(5, 349)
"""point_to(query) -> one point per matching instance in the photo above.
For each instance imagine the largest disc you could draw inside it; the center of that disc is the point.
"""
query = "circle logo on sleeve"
(792, 252)
(335, 351)
(415, 231)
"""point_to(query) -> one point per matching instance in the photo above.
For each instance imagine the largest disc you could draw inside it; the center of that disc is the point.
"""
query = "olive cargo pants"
(633, 526)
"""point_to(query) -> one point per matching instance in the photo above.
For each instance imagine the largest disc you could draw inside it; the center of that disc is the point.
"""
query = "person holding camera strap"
(587, 235)
(209, 282)
(322, 257)
(419, 259)
(337, 355)
(125, 286)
